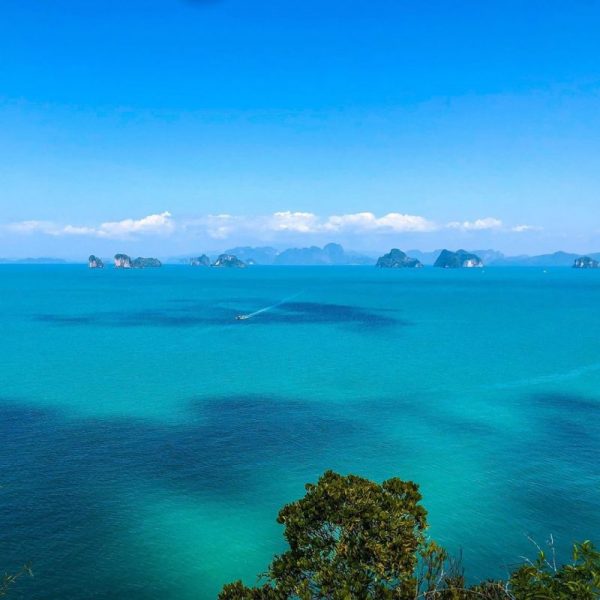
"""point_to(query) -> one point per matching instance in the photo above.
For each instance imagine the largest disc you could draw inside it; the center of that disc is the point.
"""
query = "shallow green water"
(148, 438)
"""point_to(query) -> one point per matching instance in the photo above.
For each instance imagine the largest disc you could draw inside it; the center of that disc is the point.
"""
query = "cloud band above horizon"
(224, 226)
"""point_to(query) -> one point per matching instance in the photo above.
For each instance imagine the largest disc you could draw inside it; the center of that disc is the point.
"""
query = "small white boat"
(241, 317)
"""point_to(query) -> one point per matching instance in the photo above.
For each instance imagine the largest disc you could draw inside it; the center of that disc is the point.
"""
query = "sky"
(171, 127)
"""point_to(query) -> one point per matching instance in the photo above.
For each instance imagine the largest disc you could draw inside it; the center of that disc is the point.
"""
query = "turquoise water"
(148, 439)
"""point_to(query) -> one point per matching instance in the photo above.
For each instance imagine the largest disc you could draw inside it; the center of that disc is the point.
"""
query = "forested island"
(229, 261)
(396, 259)
(586, 262)
(123, 261)
(95, 263)
(461, 259)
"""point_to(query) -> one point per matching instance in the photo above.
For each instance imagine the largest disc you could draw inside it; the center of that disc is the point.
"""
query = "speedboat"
(241, 317)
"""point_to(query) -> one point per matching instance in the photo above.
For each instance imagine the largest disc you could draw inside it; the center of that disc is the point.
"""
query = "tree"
(352, 539)
(579, 580)
(349, 538)
(9, 579)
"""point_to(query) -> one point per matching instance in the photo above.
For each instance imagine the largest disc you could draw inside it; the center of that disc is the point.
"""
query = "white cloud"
(301, 222)
(74, 230)
(30, 227)
(477, 225)
(224, 225)
(220, 227)
(159, 224)
(367, 221)
(48, 228)
(525, 228)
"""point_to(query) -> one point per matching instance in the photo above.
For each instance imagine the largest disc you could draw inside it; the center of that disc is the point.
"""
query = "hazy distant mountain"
(557, 259)
(427, 258)
(331, 254)
(488, 256)
(34, 261)
(263, 255)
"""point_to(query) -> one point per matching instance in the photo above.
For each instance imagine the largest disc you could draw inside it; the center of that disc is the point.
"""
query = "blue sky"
(176, 126)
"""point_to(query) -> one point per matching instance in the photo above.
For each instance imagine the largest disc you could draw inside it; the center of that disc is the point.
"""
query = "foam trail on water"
(266, 308)
(552, 377)
(556, 377)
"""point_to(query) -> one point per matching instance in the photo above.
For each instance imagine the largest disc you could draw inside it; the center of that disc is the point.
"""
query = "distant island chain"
(334, 254)
(124, 261)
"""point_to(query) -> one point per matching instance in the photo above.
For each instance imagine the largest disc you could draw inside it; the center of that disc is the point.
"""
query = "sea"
(148, 439)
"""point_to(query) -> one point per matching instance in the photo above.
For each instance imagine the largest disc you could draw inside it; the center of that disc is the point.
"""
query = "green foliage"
(579, 580)
(352, 539)
(348, 538)
(9, 579)
(238, 591)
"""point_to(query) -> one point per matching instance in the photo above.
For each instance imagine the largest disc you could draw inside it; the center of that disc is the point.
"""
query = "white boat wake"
(266, 308)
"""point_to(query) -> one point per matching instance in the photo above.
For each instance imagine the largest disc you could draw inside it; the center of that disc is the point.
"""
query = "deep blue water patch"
(551, 472)
(199, 314)
(60, 504)
(66, 319)
(541, 478)
(425, 410)
(320, 312)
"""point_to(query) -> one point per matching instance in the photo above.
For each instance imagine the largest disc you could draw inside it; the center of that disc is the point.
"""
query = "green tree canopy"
(579, 580)
(9, 579)
(352, 539)
(349, 538)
